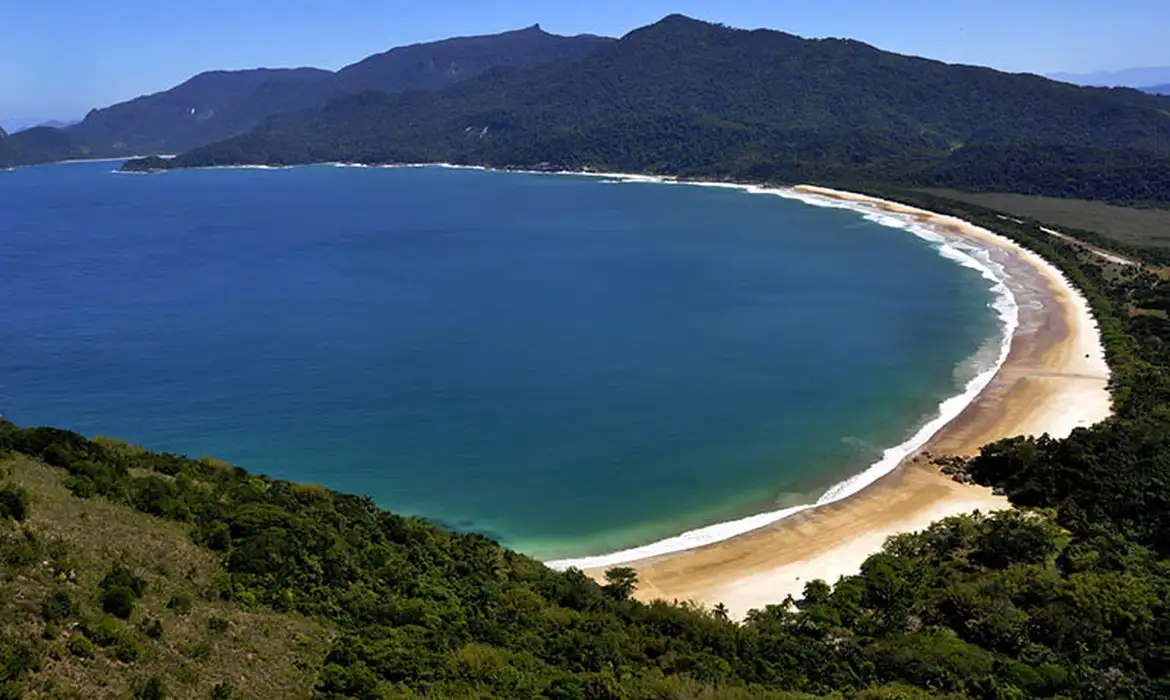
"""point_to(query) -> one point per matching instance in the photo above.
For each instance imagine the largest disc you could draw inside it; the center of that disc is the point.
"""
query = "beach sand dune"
(1053, 380)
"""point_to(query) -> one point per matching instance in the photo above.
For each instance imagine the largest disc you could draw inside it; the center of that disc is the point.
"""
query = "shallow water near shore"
(570, 365)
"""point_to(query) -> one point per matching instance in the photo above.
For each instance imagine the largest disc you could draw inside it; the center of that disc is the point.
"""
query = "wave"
(959, 251)
(247, 167)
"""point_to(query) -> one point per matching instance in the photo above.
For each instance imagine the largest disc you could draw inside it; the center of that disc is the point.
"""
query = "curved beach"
(1053, 379)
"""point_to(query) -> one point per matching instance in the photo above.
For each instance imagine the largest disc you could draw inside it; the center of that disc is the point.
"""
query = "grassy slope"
(262, 654)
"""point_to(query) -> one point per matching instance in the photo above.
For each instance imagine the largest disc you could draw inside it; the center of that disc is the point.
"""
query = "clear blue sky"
(58, 58)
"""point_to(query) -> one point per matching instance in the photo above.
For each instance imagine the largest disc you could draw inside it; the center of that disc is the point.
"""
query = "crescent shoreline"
(1053, 380)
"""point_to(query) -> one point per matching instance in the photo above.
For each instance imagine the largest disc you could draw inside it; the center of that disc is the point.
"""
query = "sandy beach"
(1053, 380)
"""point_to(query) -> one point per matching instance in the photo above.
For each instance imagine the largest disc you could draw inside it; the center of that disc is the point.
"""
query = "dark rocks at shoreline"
(149, 164)
(955, 467)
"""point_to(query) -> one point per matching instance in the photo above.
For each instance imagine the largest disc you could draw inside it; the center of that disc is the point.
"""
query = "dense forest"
(687, 98)
(40, 144)
(216, 105)
(333, 597)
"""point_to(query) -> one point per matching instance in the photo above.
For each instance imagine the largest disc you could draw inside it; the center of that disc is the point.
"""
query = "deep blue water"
(569, 365)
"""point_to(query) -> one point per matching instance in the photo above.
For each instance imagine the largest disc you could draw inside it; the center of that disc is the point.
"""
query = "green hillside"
(126, 572)
(683, 97)
(39, 144)
(216, 105)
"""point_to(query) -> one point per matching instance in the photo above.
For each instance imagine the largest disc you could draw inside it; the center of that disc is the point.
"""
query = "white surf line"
(950, 247)
(966, 253)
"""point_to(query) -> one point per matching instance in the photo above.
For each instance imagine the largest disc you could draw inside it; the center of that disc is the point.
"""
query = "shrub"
(127, 650)
(81, 486)
(151, 689)
(52, 631)
(106, 632)
(121, 588)
(13, 502)
(180, 603)
(120, 576)
(119, 601)
(24, 551)
(81, 647)
(58, 606)
(17, 656)
(151, 627)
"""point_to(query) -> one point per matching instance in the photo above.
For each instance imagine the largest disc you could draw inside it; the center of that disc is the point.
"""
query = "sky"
(59, 58)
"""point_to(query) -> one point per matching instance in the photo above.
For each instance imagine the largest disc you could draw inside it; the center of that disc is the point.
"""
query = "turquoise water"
(569, 365)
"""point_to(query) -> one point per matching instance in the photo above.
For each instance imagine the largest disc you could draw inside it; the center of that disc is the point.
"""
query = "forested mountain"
(442, 63)
(126, 573)
(684, 97)
(219, 104)
(208, 107)
(40, 144)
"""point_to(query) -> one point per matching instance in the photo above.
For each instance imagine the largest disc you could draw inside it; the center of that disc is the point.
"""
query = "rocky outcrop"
(954, 467)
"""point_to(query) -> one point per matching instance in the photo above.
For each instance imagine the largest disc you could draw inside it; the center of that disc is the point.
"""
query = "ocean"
(571, 365)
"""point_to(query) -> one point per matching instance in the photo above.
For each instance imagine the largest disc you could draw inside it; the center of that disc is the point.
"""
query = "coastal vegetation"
(126, 572)
(691, 99)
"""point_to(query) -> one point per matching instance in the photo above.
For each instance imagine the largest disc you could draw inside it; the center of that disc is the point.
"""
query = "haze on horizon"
(60, 59)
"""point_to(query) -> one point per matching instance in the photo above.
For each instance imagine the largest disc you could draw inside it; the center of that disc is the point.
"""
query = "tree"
(621, 582)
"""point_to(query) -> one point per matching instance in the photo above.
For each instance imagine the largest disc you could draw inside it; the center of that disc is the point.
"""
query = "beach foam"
(950, 247)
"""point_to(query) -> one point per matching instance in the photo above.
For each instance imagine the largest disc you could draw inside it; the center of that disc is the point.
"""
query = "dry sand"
(1053, 380)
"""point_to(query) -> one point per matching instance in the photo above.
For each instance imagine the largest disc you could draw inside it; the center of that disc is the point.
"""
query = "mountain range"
(1129, 77)
(1158, 89)
(687, 98)
(219, 104)
(679, 97)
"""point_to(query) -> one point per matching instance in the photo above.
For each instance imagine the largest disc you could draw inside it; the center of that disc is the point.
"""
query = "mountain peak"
(676, 25)
(677, 18)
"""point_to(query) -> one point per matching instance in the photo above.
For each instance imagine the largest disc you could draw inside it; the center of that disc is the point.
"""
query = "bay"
(569, 365)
